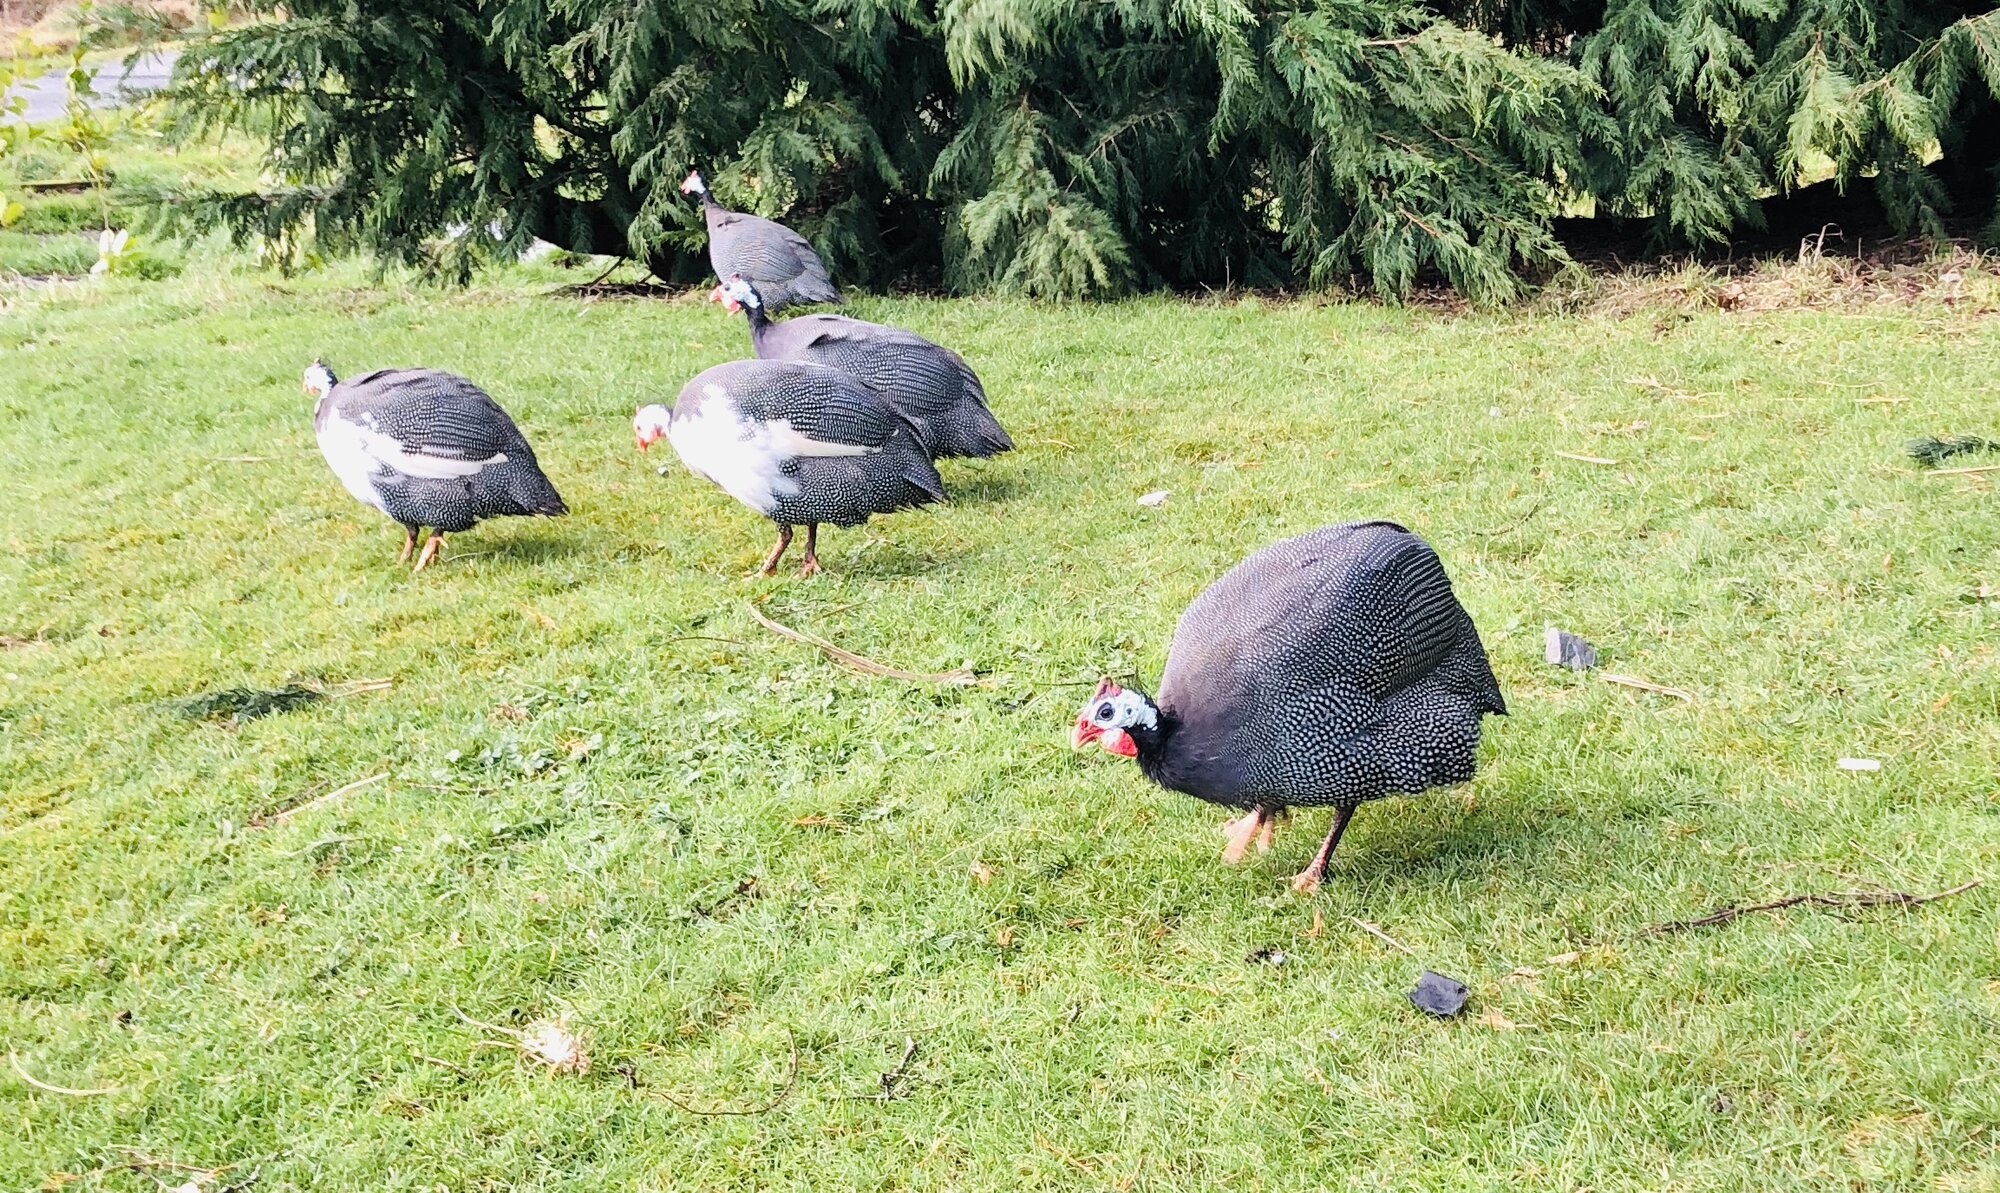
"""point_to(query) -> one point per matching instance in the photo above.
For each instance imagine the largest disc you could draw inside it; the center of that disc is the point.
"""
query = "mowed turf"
(614, 799)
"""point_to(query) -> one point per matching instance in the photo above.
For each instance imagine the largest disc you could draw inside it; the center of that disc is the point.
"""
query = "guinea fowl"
(801, 444)
(931, 385)
(779, 261)
(1332, 668)
(428, 449)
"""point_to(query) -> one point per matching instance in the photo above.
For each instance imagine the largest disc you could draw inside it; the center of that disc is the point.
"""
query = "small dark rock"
(1268, 955)
(1723, 1104)
(1564, 649)
(1438, 995)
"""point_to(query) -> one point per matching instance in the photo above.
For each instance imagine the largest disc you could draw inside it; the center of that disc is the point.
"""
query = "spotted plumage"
(778, 261)
(1329, 669)
(801, 444)
(427, 448)
(931, 385)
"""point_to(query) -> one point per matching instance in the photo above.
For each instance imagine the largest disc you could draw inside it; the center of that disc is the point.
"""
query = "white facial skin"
(1120, 710)
(650, 425)
(736, 293)
(318, 379)
(693, 184)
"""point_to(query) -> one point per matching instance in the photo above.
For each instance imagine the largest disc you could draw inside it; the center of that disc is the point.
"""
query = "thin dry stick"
(443, 1064)
(890, 1079)
(1153, 977)
(1963, 471)
(784, 1091)
(14, 1062)
(1057, 1151)
(1372, 930)
(1645, 685)
(960, 676)
(1838, 899)
(336, 793)
(1587, 459)
(1517, 523)
(141, 1160)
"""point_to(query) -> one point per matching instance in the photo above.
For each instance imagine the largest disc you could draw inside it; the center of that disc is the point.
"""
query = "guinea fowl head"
(737, 294)
(318, 379)
(693, 184)
(1122, 721)
(650, 424)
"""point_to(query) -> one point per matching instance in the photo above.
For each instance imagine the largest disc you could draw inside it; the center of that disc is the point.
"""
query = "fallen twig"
(1587, 459)
(1837, 899)
(960, 676)
(743, 887)
(1963, 471)
(139, 1159)
(285, 814)
(444, 1064)
(1645, 685)
(893, 1076)
(1517, 523)
(1153, 977)
(784, 1091)
(1372, 930)
(14, 1062)
(1057, 1151)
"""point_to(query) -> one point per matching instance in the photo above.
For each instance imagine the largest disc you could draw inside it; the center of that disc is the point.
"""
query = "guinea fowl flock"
(1329, 669)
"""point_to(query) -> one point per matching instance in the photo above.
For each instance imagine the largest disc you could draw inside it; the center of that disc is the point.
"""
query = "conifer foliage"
(1066, 149)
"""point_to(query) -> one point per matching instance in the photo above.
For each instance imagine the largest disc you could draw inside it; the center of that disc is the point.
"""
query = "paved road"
(48, 96)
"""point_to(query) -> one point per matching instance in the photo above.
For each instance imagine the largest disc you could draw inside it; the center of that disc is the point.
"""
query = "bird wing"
(763, 250)
(426, 423)
(830, 412)
(745, 425)
(1364, 604)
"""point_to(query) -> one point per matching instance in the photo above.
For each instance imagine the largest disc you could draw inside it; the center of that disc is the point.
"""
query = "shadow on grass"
(528, 549)
(981, 487)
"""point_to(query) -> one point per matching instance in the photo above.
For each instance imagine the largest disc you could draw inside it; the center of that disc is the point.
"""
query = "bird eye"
(1104, 711)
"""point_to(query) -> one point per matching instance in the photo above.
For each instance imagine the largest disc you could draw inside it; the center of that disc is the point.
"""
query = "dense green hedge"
(1063, 147)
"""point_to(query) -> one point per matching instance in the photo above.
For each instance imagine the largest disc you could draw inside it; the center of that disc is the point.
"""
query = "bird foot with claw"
(1264, 835)
(810, 567)
(429, 554)
(1242, 831)
(1306, 882)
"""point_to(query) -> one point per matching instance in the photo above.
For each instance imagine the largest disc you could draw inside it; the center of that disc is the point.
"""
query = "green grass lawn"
(613, 797)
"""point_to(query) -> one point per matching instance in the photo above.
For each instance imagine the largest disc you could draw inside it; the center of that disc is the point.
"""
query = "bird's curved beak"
(1084, 733)
(715, 295)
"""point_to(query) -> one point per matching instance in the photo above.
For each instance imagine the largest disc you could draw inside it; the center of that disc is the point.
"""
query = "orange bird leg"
(429, 554)
(1308, 879)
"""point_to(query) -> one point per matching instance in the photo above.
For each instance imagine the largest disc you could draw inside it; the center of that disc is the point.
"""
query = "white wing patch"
(747, 459)
(359, 453)
(341, 443)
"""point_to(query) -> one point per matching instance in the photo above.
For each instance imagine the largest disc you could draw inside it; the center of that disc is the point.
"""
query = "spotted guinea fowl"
(1332, 668)
(779, 261)
(801, 444)
(428, 449)
(931, 385)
